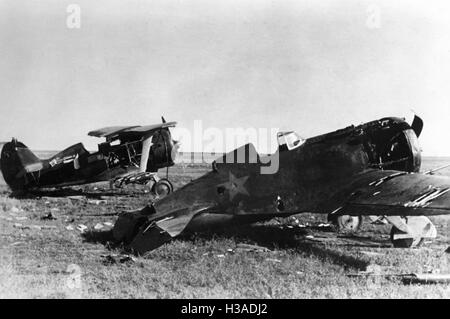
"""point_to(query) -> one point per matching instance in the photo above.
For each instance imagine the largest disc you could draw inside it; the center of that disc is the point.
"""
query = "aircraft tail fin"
(15, 161)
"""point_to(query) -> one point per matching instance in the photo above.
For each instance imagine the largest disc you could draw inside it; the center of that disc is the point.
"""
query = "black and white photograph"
(201, 150)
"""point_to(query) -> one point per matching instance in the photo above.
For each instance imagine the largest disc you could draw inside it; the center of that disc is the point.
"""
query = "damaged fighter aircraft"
(368, 170)
(130, 154)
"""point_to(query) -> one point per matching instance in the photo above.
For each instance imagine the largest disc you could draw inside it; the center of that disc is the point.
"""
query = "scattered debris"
(16, 243)
(82, 228)
(38, 227)
(250, 248)
(69, 220)
(49, 216)
(108, 260)
(97, 201)
(127, 258)
(70, 227)
(221, 256)
(116, 258)
(77, 197)
(45, 227)
(98, 226)
(14, 209)
(273, 260)
(109, 224)
(21, 217)
(20, 226)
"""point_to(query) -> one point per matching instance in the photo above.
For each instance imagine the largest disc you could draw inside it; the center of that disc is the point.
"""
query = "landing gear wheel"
(347, 223)
(163, 187)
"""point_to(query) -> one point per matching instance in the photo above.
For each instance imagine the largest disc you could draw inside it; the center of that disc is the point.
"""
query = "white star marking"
(235, 185)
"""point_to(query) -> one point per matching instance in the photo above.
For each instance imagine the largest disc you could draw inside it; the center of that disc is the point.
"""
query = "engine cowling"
(162, 152)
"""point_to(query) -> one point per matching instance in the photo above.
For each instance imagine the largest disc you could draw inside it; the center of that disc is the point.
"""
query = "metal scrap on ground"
(250, 248)
(426, 279)
(82, 228)
(117, 258)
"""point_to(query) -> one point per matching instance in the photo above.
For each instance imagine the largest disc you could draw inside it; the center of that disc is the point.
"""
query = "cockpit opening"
(289, 140)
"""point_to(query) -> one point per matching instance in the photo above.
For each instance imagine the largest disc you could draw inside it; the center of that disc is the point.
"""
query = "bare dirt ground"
(53, 258)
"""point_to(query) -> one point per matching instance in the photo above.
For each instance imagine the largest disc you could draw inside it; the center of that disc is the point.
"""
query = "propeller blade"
(417, 125)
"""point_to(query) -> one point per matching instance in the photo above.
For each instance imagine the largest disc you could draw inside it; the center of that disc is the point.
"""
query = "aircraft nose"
(175, 150)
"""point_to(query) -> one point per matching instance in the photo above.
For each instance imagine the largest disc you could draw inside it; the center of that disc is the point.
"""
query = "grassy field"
(42, 258)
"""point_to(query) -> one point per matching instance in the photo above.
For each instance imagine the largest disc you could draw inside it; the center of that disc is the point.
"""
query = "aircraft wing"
(113, 131)
(148, 128)
(109, 131)
(392, 193)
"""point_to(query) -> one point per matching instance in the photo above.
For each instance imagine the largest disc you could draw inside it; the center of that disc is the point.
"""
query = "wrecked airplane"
(130, 154)
(366, 170)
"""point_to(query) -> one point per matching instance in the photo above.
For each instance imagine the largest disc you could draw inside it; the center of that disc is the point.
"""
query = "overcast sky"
(309, 66)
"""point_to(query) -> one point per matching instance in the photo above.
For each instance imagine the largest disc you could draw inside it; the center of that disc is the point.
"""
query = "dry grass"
(61, 263)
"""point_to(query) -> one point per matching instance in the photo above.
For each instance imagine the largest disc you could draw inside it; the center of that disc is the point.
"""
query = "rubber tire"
(340, 222)
(163, 184)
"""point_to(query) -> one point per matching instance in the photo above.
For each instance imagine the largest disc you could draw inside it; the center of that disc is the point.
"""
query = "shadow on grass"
(273, 237)
(66, 192)
(269, 236)
(98, 236)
